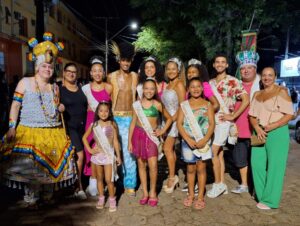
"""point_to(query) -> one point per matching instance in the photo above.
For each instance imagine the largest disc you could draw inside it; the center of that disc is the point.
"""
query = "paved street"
(228, 209)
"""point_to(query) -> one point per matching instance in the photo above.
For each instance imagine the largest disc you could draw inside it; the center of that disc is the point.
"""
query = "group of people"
(128, 119)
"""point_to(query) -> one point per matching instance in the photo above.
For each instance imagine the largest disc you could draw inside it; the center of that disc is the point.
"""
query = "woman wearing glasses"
(75, 104)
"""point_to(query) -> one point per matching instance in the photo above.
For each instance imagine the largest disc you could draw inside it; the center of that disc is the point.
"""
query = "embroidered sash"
(193, 124)
(93, 103)
(103, 142)
(137, 106)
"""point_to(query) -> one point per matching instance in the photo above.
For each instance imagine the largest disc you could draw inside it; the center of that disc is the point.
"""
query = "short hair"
(70, 64)
(220, 55)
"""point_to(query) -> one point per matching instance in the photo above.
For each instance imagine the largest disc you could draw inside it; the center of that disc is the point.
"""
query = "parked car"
(295, 124)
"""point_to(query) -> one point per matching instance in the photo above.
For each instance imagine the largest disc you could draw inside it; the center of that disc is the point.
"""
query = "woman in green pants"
(270, 111)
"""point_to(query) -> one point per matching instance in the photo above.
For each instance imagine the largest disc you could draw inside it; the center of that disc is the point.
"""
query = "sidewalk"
(228, 209)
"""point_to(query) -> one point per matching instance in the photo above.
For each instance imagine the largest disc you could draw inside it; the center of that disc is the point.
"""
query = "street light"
(133, 26)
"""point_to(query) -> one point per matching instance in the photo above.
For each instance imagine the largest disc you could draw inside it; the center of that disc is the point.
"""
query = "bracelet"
(12, 123)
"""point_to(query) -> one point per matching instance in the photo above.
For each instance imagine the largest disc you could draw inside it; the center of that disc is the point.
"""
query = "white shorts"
(221, 133)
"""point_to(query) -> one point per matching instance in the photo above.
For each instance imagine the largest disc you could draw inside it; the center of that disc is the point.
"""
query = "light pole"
(133, 26)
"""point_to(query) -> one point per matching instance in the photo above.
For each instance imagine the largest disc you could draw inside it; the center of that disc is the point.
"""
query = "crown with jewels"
(247, 58)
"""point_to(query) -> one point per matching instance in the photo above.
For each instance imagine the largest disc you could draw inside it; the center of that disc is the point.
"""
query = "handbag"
(254, 140)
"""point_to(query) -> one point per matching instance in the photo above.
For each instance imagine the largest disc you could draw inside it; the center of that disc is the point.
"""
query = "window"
(23, 27)
(17, 15)
(32, 22)
(2, 65)
(74, 28)
(69, 24)
(52, 11)
(59, 17)
(7, 14)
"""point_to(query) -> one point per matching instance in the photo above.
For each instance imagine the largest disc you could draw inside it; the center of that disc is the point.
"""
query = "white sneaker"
(80, 195)
(240, 189)
(92, 188)
(217, 190)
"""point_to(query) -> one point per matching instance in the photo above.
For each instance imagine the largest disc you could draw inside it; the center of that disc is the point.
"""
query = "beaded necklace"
(54, 102)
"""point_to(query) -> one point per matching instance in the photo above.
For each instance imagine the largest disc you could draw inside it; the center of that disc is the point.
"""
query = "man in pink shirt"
(247, 61)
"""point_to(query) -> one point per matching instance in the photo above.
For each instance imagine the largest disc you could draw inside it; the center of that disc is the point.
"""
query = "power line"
(82, 17)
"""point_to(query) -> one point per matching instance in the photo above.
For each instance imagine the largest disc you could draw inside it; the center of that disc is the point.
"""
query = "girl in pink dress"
(95, 91)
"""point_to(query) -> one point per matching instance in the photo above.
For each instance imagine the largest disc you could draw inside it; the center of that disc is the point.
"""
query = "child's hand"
(201, 143)
(192, 143)
(95, 150)
(129, 147)
(118, 160)
(158, 132)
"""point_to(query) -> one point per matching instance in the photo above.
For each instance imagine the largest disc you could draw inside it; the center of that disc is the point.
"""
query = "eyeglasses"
(71, 72)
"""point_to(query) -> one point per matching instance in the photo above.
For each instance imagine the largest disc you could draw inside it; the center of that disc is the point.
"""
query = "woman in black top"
(75, 103)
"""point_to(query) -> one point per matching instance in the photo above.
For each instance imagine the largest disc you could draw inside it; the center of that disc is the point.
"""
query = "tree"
(194, 28)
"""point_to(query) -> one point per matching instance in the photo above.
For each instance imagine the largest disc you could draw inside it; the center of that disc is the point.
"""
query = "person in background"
(151, 68)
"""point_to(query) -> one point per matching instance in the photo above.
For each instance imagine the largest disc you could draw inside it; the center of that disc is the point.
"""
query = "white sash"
(103, 142)
(255, 86)
(93, 103)
(137, 106)
(193, 124)
(219, 98)
(188, 113)
(231, 139)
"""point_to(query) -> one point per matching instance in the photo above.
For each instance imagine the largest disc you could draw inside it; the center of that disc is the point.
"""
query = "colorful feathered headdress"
(45, 51)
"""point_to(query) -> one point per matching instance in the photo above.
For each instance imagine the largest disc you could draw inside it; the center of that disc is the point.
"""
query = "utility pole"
(106, 39)
(40, 24)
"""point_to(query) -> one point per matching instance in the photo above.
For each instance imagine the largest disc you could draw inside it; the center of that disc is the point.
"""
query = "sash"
(193, 124)
(93, 103)
(255, 86)
(232, 139)
(219, 98)
(137, 106)
(103, 142)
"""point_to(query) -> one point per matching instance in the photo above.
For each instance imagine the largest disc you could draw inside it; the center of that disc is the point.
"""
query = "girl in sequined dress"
(105, 152)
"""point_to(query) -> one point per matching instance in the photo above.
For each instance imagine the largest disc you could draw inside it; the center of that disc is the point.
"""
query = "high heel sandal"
(144, 200)
(153, 202)
(175, 180)
(188, 201)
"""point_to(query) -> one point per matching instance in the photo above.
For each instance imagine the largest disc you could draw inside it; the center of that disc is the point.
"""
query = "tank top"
(151, 111)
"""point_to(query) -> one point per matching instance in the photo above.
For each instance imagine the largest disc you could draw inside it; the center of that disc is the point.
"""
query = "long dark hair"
(159, 72)
(203, 73)
(110, 116)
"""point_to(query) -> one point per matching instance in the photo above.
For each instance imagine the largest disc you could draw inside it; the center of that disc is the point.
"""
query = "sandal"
(199, 204)
(112, 204)
(144, 200)
(188, 201)
(153, 202)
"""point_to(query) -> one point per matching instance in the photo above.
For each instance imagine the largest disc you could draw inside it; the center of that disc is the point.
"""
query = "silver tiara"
(177, 61)
(194, 62)
(95, 61)
(150, 58)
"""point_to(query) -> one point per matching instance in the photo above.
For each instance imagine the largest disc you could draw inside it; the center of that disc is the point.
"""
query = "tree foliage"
(201, 28)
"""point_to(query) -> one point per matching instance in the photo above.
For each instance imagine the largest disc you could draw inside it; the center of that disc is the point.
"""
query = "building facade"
(18, 24)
